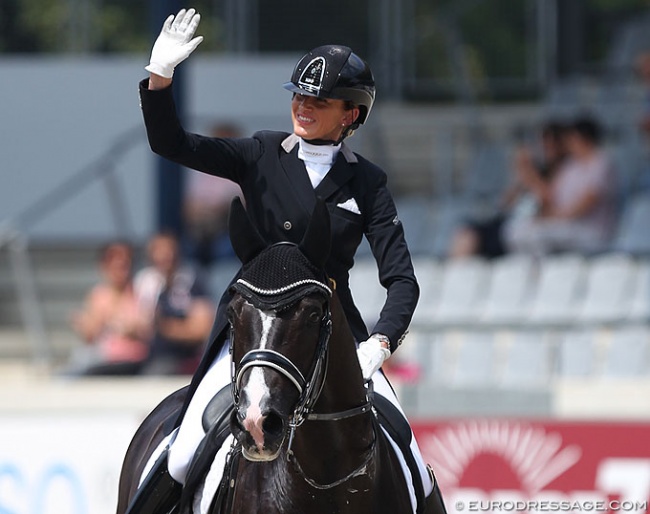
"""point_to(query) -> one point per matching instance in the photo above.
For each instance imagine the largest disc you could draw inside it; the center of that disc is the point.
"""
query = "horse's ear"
(246, 240)
(315, 244)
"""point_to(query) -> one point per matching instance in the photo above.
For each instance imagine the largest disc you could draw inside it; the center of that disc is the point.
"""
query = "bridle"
(309, 387)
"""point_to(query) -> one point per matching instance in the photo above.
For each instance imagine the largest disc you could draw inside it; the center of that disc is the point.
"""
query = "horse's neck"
(344, 387)
(342, 445)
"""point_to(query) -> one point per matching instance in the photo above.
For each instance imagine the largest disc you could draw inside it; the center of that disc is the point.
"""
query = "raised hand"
(175, 43)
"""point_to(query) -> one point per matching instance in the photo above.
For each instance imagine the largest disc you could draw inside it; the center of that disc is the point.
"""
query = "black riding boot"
(159, 493)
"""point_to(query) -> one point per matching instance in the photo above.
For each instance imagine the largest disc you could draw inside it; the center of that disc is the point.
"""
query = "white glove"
(175, 43)
(371, 355)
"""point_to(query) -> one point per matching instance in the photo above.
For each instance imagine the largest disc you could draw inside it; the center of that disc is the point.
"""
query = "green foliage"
(471, 41)
(89, 26)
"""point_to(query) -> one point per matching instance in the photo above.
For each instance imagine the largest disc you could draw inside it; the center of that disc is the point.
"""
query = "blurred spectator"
(205, 210)
(111, 322)
(578, 205)
(521, 199)
(178, 305)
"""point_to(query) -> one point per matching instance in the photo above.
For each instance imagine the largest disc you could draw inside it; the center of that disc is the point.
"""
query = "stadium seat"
(462, 292)
(633, 236)
(576, 353)
(528, 359)
(627, 352)
(433, 352)
(416, 215)
(555, 298)
(609, 289)
(475, 359)
(428, 272)
(639, 310)
(448, 214)
(369, 295)
(511, 282)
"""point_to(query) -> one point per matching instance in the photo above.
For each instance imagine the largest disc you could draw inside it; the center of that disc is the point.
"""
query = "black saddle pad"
(216, 423)
(397, 426)
(392, 420)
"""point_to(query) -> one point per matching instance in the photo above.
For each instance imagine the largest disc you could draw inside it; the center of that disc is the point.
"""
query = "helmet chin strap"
(323, 142)
(348, 131)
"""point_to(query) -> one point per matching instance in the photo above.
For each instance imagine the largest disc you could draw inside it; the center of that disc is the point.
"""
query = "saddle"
(216, 423)
(399, 430)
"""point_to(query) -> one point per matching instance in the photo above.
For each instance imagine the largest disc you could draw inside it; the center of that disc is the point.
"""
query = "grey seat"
(462, 292)
(432, 351)
(633, 235)
(429, 274)
(556, 296)
(511, 284)
(528, 359)
(416, 214)
(640, 304)
(576, 353)
(627, 352)
(369, 295)
(610, 280)
(475, 359)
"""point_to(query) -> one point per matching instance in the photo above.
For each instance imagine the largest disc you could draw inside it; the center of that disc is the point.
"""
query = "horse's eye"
(314, 316)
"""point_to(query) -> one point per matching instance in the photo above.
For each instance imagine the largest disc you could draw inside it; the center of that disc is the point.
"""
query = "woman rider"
(281, 175)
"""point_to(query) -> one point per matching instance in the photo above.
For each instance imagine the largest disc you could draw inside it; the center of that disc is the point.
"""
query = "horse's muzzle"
(261, 437)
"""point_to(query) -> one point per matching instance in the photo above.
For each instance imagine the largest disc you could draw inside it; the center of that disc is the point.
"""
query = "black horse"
(308, 439)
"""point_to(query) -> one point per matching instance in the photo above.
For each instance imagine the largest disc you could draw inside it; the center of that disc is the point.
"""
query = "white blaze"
(256, 388)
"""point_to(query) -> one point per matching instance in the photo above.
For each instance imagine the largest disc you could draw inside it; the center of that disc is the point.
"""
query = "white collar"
(292, 140)
(317, 154)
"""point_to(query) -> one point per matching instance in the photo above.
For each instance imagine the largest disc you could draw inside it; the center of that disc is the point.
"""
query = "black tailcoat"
(279, 199)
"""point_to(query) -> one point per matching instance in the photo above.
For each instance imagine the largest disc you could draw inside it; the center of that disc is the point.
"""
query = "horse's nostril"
(273, 425)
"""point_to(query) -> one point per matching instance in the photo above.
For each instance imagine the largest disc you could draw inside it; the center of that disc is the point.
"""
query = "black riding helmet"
(335, 71)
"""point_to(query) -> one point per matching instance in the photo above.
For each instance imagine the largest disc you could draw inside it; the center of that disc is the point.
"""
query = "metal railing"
(13, 233)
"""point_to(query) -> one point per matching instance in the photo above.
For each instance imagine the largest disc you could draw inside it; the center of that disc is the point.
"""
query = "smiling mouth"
(304, 119)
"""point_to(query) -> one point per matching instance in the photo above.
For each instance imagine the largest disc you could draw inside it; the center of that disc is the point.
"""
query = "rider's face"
(320, 118)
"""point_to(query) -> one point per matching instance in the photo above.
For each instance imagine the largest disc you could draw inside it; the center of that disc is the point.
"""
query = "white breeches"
(190, 432)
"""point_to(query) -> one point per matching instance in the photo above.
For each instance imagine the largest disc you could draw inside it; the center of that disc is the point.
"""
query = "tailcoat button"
(287, 225)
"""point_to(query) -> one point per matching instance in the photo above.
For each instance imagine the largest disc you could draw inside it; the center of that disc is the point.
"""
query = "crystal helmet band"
(335, 71)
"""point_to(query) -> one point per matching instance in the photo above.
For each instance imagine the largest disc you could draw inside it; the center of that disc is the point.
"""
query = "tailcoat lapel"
(342, 171)
(296, 172)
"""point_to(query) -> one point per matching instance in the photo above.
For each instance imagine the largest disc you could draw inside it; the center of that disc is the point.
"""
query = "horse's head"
(280, 326)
